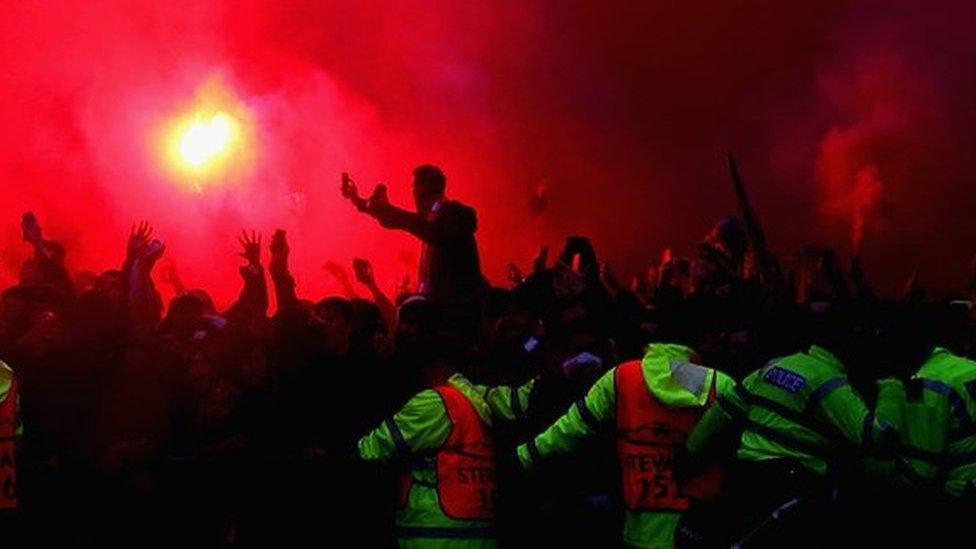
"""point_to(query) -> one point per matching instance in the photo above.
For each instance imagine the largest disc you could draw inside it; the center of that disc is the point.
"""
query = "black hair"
(336, 304)
(431, 177)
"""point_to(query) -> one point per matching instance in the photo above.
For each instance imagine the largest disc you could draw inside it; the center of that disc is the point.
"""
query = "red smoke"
(867, 190)
(622, 107)
(880, 113)
(892, 160)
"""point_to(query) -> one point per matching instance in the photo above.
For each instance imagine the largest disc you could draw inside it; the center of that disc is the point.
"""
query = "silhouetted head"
(724, 247)
(692, 325)
(185, 315)
(336, 316)
(414, 320)
(369, 331)
(203, 297)
(905, 335)
(83, 280)
(22, 307)
(428, 186)
(842, 331)
(109, 284)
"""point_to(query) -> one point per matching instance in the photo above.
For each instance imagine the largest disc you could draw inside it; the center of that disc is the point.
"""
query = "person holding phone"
(450, 269)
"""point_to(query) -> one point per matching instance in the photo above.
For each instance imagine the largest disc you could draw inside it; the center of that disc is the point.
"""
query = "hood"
(673, 378)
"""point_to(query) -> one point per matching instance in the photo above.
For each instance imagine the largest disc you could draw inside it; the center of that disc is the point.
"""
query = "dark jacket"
(450, 271)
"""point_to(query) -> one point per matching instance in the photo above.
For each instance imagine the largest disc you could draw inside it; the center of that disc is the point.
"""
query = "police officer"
(940, 444)
(799, 418)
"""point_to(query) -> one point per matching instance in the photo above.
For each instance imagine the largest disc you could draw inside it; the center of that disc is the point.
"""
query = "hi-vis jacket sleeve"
(722, 418)
(846, 411)
(837, 404)
(582, 419)
(8, 389)
(422, 424)
(874, 432)
(507, 402)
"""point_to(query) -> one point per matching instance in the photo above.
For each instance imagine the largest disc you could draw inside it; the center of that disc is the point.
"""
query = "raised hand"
(169, 275)
(539, 263)
(364, 272)
(636, 285)
(609, 279)
(336, 270)
(342, 277)
(404, 286)
(31, 229)
(515, 274)
(154, 251)
(378, 198)
(650, 276)
(351, 193)
(251, 245)
(666, 264)
(279, 254)
(139, 238)
(349, 190)
(279, 244)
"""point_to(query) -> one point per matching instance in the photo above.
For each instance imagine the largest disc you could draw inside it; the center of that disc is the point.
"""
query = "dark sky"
(853, 121)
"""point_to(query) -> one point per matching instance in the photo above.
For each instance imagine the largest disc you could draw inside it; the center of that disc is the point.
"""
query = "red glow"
(623, 108)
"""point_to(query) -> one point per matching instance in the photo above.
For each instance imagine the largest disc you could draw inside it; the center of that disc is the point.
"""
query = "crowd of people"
(144, 422)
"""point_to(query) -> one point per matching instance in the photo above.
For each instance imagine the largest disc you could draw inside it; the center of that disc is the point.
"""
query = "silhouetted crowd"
(147, 422)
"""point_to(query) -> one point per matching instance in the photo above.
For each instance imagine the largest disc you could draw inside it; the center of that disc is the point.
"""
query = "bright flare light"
(210, 145)
(203, 141)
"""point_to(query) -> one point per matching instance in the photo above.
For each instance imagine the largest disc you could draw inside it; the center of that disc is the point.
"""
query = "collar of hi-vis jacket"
(673, 378)
(825, 356)
(942, 365)
(6, 380)
(941, 352)
(461, 383)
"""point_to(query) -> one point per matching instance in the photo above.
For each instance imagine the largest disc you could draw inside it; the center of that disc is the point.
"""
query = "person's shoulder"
(798, 361)
(723, 379)
(6, 379)
(6, 372)
(451, 203)
(425, 400)
(948, 367)
(797, 368)
(459, 213)
(456, 208)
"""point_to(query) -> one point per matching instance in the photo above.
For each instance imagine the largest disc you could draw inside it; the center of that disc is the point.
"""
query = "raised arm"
(142, 300)
(342, 277)
(364, 275)
(580, 421)
(452, 223)
(421, 425)
(48, 256)
(253, 300)
(169, 275)
(284, 283)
